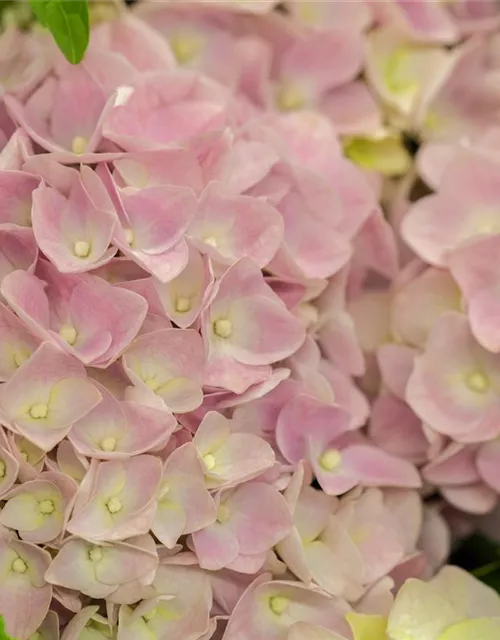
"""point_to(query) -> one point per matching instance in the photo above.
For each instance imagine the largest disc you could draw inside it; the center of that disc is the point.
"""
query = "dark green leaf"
(481, 557)
(474, 552)
(68, 21)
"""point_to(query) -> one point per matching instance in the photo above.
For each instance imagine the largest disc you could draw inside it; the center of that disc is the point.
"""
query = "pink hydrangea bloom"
(249, 310)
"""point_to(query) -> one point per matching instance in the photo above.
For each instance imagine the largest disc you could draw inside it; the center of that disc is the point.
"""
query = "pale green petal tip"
(386, 155)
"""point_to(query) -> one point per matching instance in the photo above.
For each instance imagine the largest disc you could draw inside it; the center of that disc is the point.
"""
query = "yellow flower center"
(3, 469)
(19, 566)
(330, 459)
(223, 328)
(36, 636)
(95, 554)
(78, 145)
(39, 411)
(278, 604)
(209, 461)
(81, 249)
(290, 98)
(68, 333)
(153, 384)
(108, 444)
(114, 505)
(19, 358)
(182, 305)
(129, 236)
(478, 382)
(211, 241)
(185, 47)
(47, 507)
(223, 513)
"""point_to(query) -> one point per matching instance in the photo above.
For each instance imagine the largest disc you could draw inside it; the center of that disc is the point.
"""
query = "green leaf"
(68, 21)
(38, 7)
(3, 634)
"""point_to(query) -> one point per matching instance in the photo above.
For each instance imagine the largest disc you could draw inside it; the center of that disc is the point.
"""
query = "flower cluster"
(250, 338)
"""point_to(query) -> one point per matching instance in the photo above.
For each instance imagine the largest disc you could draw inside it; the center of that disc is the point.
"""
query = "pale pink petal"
(170, 363)
(352, 108)
(186, 106)
(134, 40)
(396, 364)
(16, 343)
(175, 166)
(47, 394)
(439, 223)
(216, 546)
(418, 304)
(476, 499)
(324, 423)
(18, 249)
(184, 504)
(253, 617)
(16, 189)
(158, 217)
(422, 21)
(305, 63)
(396, 429)
(448, 388)
(23, 590)
(258, 515)
(487, 464)
(455, 466)
(72, 232)
(184, 297)
(346, 394)
(119, 506)
(229, 227)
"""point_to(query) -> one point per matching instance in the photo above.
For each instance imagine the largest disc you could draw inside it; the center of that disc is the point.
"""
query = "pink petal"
(16, 343)
(325, 423)
(455, 466)
(184, 297)
(22, 591)
(487, 464)
(397, 430)
(377, 468)
(216, 546)
(71, 232)
(187, 506)
(186, 106)
(306, 61)
(133, 510)
(170, 363)
(476, 499)
(161, 167)
(158, 217)
(18, 250)
(16, 188)
(57, 386)
(258, 515)
(134, 40)
(238, 226)
(440, 391)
